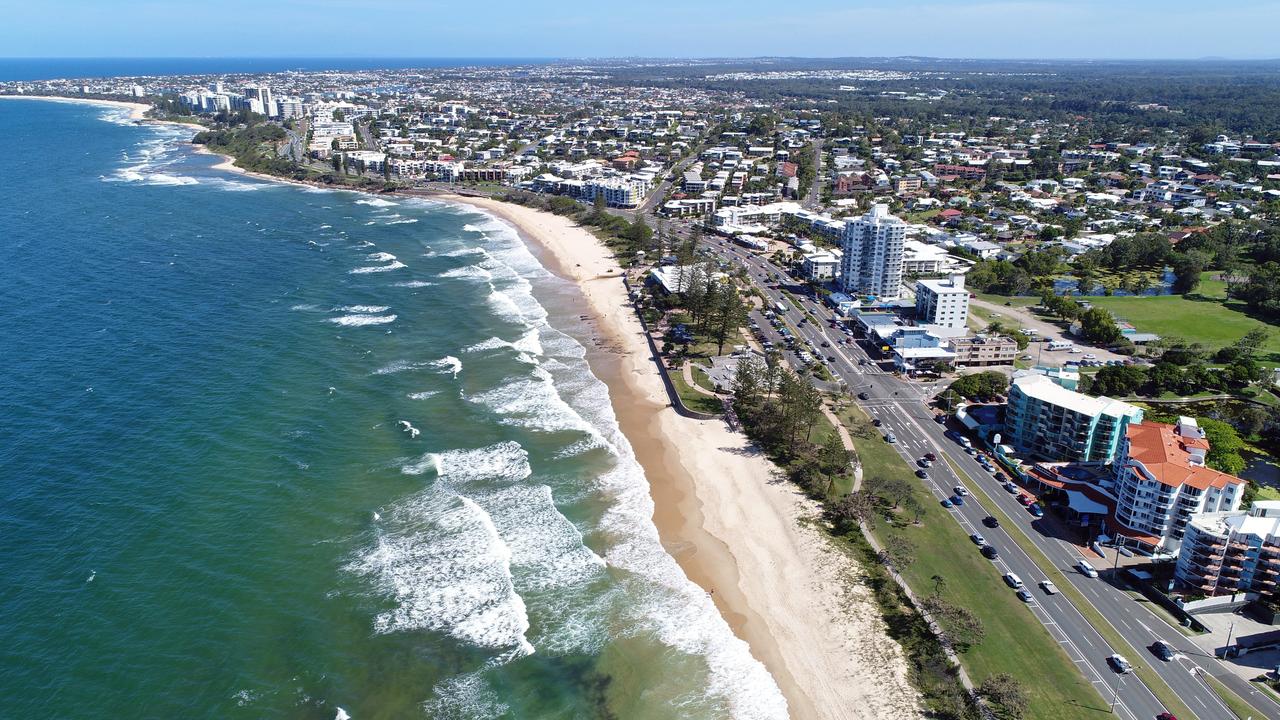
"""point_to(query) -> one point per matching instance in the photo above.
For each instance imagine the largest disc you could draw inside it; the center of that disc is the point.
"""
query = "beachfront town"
(1027, 359)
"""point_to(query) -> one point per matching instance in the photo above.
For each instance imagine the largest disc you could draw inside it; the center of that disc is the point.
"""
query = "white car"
(1076, 350)
(960, 490)
(1013, 581)
(1090, 356)
(1086, 569)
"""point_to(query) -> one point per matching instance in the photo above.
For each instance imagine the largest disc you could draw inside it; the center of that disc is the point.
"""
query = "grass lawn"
(1211, 323)
(1238, 706)
(1015, 642)
(1014, 300)
(1266, 492)
(693, 399)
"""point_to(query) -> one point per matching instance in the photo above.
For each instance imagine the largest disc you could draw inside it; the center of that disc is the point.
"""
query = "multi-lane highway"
(901, 408)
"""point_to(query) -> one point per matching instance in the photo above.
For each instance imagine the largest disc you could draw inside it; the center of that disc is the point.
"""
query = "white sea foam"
(465, 697)
(414, 284)
(449, 363)
(376, 268)
(528, 343)
(361, 308)
(408, 427)
(305, 307)
(376, 202)
(402, 221)
(468, 272)
(443, 563)
(342, 715)
(361, 320)
(380, 257)
(505, 461)
(423, 395)
(400, 366)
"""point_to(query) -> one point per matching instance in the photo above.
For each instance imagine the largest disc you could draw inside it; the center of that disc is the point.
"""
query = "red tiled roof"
(1166, 455)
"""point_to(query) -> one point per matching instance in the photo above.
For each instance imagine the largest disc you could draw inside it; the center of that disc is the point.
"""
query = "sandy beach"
(735, 527)
(137, 110)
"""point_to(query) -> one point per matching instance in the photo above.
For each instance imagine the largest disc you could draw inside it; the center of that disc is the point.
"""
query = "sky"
(647, 28)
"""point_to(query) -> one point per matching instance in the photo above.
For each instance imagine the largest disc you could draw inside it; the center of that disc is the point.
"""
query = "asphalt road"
(900, 406)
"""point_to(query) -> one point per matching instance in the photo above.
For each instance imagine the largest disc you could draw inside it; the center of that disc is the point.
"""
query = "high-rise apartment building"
(872, 262)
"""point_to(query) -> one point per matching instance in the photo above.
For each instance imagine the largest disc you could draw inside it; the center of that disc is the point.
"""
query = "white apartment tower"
(872, 263)
(944, 303)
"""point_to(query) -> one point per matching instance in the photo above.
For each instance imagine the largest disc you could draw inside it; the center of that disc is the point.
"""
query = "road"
(815, 190)
(900, 407)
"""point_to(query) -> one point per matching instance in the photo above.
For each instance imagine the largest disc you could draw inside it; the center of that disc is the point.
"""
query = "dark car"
(1162, 650)
(876, 422)
(990, 521)
(930, 457)
(940, 419)
(863, 396)
(957, 500)
(989, 552)
(922, 474)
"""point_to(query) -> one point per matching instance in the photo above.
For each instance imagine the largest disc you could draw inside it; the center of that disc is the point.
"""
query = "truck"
(1060, 345)
(780, 306)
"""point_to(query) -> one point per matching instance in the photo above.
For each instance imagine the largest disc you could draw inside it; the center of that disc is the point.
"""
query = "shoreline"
(137, 110)
(737, 530)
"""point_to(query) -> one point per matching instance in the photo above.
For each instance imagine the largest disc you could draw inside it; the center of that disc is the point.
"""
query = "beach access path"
(737, 528)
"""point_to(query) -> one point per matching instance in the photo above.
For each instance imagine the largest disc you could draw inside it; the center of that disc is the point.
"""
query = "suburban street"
(900, 405)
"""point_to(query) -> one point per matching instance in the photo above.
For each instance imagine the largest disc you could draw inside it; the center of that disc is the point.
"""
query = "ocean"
(269, 451)
(58, 68)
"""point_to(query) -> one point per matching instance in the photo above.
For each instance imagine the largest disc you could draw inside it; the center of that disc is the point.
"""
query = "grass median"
(1159, 688)
(1014, 641)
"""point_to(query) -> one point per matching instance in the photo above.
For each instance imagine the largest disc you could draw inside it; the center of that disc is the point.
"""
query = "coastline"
(735, 528)
(137, 110)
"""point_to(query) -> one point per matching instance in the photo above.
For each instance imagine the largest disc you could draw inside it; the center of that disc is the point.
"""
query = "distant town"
(1067, 276)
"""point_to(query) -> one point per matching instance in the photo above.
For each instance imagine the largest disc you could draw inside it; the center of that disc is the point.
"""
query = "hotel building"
(872, 262)
(1228, 552)
(1046, 421)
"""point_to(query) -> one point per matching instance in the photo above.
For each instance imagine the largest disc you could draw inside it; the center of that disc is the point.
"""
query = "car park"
(991, 521)
(1012, 580)
(1119, 663)
(1087, 569)
(989, 552)
(1049, 587)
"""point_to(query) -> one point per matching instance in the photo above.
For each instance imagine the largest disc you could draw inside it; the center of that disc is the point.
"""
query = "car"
(922, 474)
(1024, 595)
(863, 396)
(1010, 487)
(978, 539)
(1012, 580)
(940, 419)
(891, 438)
(1086, 569)
(957, 500)
(946, 502)
(1119, 663)
(826, 344)
(875, 422)
(1090, 356)
(1035, 510)
(1025, 499)
(960, 490)
(1048, 587)
(991, 521)
(970, 450)
(1162, 650)
(1166, 716)
(989, 552)
(930, 457)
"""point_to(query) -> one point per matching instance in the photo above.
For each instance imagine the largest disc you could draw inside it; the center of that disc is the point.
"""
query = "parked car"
(1086, 569)
(1025, 499)
(991, 521)
(957, 500)
(946, 502)
(978, 539)
(1024, 595)
(891, 438)
(863, 396)
(1119, 663)
(989, 552)
(1049, 587)
(1012, 580)
(876, 422)
(1035, 510)
(960, 490)
(1166, 716)
(923, 462)
(930, 457)
(922, 474)
(1011, 487)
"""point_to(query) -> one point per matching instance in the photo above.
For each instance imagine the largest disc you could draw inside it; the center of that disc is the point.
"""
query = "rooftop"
(1045, 390)
(1173, 458)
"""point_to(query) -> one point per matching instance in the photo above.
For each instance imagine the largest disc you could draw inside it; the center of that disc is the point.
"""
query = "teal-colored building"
(1045, 421)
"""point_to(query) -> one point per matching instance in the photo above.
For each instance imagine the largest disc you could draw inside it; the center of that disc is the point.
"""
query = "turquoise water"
(276, 452)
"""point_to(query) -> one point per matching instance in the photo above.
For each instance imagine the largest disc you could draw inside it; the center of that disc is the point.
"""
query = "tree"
(852, 509)
(893, 490)
(898, 552)
(939, 583)
(1117, 380)
(1098, 326)
(980, 385)
(1186, 272)
(1224, 446)
(1006, 693)
(730, 314)
(1261, 292)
